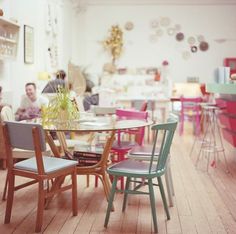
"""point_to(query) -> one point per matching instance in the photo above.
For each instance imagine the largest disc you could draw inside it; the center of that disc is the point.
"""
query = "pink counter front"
(227, 119)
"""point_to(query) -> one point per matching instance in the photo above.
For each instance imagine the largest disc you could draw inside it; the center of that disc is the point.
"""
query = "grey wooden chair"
(38, 168)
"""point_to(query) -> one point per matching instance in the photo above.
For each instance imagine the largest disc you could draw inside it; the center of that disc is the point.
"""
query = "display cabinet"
(9, 34)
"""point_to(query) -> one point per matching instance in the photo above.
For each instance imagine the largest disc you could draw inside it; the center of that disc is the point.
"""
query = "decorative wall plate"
(154, 23)
(191, 40)
(177, 27)
(200, 38)
(159, 32)
(153, 38)
(179, 36)
(165, 21)
(193, 49)
(203, 46)
(171, 31)
(186, 55)
(129, 25)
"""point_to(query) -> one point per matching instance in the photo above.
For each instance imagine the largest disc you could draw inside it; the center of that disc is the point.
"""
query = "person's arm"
(21, 114)
(21, 111)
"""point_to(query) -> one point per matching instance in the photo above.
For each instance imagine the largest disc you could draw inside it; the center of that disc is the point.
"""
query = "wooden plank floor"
(203, 203)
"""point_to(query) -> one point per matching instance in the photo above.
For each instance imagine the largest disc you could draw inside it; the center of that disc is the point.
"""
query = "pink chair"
(144, 106)
(190, 110)
(120, 147)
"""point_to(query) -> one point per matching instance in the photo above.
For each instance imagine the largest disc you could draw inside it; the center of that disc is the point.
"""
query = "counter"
(227, 103)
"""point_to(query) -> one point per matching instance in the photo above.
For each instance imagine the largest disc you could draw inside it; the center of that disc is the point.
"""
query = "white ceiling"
(164, 2)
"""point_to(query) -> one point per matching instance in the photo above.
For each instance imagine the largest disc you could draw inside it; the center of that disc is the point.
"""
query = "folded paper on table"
(94, 123)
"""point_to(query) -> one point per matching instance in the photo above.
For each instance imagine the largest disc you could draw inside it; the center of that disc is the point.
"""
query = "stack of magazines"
(86, 158)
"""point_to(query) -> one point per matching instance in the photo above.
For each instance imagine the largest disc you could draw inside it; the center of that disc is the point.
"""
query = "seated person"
(31, 103)
(52, 86)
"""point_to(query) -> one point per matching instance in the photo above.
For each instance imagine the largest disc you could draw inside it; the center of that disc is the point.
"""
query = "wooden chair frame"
(37, 177)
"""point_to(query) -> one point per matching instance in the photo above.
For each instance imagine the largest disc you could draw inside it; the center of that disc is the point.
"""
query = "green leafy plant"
(61, 108)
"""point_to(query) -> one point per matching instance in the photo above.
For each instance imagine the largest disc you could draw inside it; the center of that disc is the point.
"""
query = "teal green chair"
(133, 170)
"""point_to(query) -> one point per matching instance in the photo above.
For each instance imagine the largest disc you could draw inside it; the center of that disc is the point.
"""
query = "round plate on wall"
(129, 25)
(200, 38)
(177, 27)
(154, 23)
(193, 49)
(186, 55)
(203, 46)
(179, 36)
(171, 31)
(159, 32)
(153, 38)
(165, 21)
(191, 40)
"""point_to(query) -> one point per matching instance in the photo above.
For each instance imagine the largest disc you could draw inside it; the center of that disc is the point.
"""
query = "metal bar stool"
(211, 143)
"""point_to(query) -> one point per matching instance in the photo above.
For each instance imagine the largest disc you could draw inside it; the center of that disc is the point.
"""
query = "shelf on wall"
(8, 40)
(9, 34)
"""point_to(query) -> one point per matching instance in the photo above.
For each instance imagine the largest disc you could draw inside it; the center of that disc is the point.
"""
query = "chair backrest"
(190, 103)
(7, 114)
(104, 110)
(144, 106)
(133, 114)
(20, 135)
(27, 136)
(163, 137)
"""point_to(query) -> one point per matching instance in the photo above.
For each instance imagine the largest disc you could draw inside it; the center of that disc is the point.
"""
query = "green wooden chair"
(163, 135)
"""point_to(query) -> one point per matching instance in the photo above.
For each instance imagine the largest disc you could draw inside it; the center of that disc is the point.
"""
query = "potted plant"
(61, 109)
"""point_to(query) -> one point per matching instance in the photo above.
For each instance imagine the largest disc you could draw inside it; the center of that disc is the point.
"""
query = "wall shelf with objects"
(9, 35)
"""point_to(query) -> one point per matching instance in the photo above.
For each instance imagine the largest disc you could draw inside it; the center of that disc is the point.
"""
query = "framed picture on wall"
(28, 44)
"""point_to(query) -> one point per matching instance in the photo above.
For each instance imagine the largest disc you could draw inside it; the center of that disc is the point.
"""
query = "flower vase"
(63, 115)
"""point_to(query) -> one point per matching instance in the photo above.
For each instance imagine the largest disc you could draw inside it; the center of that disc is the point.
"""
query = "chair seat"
(51, 164)
(131, 167)
(124, 145)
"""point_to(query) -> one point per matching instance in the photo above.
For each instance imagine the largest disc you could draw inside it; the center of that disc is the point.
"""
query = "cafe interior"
(104, 98)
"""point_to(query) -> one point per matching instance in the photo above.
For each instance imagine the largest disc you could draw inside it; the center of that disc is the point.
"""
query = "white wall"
(15, 73)
(80, 36)
(211, 21)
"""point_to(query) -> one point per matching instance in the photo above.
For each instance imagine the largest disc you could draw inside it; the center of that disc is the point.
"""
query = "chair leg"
(126, 193)
(122, 183)
(96, 181)
(40, 208)
(181, 126)
(5, 189)
(110, 202)
(87, 181)
(163, 197)
(74, 193)
(105, 182)
(169, 185)
(10, 196)
(153, 205)
(171, 180)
